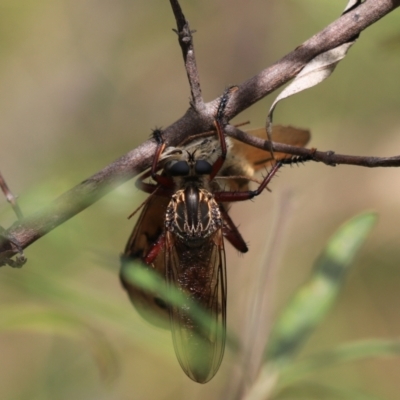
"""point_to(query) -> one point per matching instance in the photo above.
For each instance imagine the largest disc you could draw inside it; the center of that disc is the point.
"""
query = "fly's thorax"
(193, 214)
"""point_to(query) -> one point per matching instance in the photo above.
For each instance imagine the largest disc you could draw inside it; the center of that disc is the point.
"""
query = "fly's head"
(202, 149)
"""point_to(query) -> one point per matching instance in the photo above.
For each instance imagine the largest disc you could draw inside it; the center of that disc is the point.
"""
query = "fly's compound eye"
(202, 167)
(180, 168)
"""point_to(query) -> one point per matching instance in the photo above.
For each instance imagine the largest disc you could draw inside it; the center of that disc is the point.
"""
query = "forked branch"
(200, 117)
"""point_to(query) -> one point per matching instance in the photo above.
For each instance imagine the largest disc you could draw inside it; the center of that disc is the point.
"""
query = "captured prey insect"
(180, 234)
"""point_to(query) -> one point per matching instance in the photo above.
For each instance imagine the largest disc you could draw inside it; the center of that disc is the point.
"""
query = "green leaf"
(313, 300)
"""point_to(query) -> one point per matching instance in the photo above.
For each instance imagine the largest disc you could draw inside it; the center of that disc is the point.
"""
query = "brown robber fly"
(181, 229)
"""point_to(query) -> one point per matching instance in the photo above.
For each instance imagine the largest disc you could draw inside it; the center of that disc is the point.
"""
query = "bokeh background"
(83, 82)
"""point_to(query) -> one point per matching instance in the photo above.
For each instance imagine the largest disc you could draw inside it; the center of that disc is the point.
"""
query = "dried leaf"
(316, 71)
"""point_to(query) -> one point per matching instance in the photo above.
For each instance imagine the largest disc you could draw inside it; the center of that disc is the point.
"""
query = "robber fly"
(180, 234)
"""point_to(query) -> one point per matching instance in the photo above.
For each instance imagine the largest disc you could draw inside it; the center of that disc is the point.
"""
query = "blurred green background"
(83, 82)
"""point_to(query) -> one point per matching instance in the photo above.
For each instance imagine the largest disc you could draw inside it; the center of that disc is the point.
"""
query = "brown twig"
(195, 121)
(186, 42)
(345, 28)
(326, 157)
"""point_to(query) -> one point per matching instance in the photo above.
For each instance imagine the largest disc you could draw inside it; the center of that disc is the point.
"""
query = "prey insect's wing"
(281, 134)
(199, 275)
(244, 160)
(146, 234)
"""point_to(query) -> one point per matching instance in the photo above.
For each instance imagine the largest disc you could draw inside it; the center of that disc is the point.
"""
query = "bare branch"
(31, 228)
(326, 157)
(186, 43)
(249, 92)
(344, 29)
(195, 121)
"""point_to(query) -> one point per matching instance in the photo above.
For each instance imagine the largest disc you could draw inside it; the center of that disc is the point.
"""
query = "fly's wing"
(198, 273)
(147, 231)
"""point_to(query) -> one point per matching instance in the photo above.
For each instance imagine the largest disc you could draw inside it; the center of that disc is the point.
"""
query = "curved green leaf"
(312, 301)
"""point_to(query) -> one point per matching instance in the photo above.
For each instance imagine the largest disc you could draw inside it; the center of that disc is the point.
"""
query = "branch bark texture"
(199, 118)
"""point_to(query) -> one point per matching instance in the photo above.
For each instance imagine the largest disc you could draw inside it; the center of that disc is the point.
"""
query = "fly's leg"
(219, 124)
(155, 249)
(152, 189)
(160, 179)
(248, 194)
(165, 185)
(232, 233)
(159, 189)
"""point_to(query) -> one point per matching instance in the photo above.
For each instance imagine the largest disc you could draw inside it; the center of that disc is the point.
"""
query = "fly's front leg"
(160, 179)
(231, 232)
(219, 125)
(164, 184)
(248, 194)
(157, 189)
